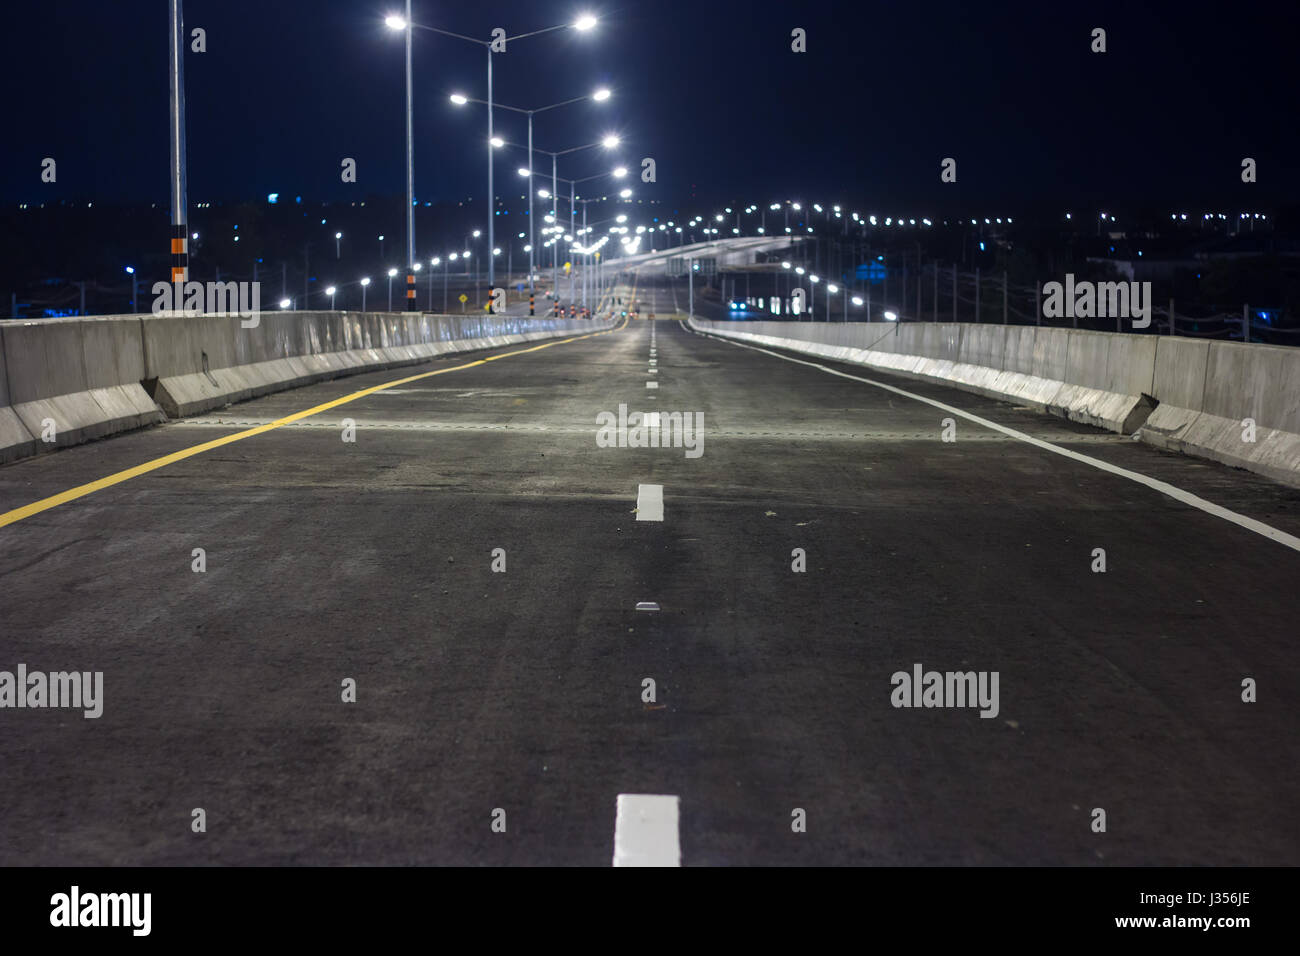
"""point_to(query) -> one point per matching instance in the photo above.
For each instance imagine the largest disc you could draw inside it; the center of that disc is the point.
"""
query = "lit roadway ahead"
(523, 691)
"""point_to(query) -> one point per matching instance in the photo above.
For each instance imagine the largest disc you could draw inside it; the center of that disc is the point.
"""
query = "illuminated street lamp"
(460, 99)
(584, 23)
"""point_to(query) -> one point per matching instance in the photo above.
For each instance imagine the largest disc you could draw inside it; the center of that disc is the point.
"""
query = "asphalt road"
(523, 691)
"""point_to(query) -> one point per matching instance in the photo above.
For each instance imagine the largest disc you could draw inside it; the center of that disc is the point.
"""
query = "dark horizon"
(711, 91)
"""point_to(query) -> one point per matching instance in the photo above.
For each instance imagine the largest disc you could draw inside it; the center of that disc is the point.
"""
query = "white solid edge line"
(645, 830)
(649, 502)
(1178, 494)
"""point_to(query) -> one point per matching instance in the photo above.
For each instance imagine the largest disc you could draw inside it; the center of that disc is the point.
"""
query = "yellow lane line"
(72, 494)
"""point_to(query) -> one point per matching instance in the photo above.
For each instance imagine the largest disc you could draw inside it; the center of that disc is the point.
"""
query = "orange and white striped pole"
(176, 70)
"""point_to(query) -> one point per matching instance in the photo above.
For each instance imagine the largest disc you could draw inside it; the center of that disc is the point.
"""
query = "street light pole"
(491, 187)
(555, 245)
(176, 70)
(573, 265)
(410, 174)
(532, 242)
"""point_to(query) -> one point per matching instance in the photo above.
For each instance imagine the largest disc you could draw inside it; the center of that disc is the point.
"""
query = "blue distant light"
(273, 198)
(981, 246)
(297, 199)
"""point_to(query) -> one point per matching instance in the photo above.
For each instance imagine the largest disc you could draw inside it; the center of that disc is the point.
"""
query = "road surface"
(522, 691)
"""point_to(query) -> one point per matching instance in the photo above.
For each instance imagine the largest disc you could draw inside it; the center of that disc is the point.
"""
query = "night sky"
(708, 88)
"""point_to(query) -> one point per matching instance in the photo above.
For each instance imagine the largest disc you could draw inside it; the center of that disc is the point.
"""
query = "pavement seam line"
(99, 484)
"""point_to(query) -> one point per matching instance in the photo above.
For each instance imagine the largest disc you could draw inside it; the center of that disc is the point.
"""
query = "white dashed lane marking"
(645, 830)
(649, 502)
(651, 384)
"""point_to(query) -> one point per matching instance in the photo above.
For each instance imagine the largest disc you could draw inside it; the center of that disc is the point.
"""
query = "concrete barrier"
(75, 379)
(198, 363)
(84, 378)
(15, 440)
(1185, 395)
(1235, 403)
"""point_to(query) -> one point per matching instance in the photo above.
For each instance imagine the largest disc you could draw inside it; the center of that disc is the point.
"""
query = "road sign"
(567, 267)
(463, 298)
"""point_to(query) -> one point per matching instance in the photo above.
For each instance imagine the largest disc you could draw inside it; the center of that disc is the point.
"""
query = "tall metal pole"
(532, 242)
(492, 242)
(176, 71)
(410, 174)
(586, 256)
(555, 246)
(573, 265)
